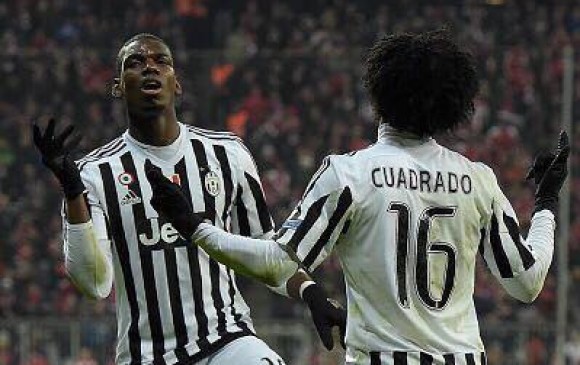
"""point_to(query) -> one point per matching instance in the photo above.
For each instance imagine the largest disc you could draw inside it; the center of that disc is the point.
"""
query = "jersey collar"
(390, 135)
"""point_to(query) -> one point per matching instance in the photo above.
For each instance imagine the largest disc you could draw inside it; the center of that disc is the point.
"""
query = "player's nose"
(150, 66)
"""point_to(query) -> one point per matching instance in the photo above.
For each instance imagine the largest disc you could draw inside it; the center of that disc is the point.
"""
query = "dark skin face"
(148, 85)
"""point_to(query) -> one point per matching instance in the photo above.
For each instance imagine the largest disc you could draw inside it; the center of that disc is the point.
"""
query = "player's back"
(409, 252)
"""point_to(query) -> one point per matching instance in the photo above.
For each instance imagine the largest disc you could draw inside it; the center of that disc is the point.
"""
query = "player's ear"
(116, 90)
(178, 90)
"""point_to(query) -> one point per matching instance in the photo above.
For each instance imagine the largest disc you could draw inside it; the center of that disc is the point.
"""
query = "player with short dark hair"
(406, 216)
(175, 305)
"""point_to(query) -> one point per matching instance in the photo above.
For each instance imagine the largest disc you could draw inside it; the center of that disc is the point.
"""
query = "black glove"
(170, 201)
(326, 313)
(549, 172)
(55, 151)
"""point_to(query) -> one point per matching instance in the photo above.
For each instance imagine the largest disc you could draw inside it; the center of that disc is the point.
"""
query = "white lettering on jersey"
(166, 234)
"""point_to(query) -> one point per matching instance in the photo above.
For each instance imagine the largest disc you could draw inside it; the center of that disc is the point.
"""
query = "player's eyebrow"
(141, 55)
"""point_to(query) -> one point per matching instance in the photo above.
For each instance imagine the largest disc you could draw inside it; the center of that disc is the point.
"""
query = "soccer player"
(175, 305)
(406, 216)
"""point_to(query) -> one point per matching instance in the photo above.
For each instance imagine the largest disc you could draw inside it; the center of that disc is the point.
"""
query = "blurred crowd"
(286, 76)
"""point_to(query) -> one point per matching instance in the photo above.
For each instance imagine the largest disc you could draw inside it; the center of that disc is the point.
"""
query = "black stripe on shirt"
(425, 359)
(210, 212)
(500, 257)
(119, 239)
(175, 301)
(483, 359)
(514, 231)
(470, 359)
(449, 359)
(221, 155)
(344, 202)
(194, 271)
(261, 206)
(375, 358)
(242, 214)
(481, 247)
(311, 216)
(399, 358)
(232, 293)
(147, 267)
(176, 305)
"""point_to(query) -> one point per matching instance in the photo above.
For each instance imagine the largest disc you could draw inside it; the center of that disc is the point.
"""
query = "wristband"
(303, 287)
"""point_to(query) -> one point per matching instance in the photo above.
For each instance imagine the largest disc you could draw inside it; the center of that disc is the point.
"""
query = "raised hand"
(549, 171)
(171, 202)
(55, 151)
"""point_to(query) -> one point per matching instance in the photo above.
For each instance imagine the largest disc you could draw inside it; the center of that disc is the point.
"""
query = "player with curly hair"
(406, 216)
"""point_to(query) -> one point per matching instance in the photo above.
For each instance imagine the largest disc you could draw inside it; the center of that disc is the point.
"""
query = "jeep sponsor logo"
(157, 234)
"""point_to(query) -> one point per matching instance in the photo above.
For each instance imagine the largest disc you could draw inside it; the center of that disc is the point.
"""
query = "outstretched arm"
(262, 259)
(521, 265)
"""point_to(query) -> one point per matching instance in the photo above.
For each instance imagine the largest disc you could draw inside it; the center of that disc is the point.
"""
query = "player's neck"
(159, 130)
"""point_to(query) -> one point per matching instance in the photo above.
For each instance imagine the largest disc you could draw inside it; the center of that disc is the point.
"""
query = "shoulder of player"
(350, 159)
(98, 155)
(230, 141)
(478, 167)
(219, 137)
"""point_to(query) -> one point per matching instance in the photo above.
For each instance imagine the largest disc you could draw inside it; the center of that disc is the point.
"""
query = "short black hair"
(421, 83)
(136, 37)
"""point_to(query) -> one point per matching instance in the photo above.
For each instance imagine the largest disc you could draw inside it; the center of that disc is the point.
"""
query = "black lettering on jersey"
(375, 180)
(391, 182)
(422, 180)
(413, 180)
(452, 182)
(439, 182)
(425, 178)
(466, 184)
(402, 181)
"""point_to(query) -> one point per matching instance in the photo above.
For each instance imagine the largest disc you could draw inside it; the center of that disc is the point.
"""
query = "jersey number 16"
(423, 249)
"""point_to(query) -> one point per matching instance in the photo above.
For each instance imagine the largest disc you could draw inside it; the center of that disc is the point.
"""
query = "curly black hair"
(421, 83)
(136, 37)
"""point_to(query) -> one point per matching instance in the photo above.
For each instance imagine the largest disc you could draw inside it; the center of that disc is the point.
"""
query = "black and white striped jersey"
(424, 358)
(407, 219)
(174, 303)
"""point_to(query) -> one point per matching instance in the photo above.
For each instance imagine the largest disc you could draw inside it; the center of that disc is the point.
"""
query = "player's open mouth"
(151, 87)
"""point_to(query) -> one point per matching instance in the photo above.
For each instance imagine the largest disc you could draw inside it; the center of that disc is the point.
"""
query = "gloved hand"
(325, 314)
(170, 201)
(549, 172)
(55, 152)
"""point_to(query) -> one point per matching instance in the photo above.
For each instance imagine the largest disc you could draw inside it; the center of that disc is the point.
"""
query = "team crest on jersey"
(212, 183)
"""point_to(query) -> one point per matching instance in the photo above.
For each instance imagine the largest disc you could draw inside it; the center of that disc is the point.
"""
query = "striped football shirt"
(407, 219)
(174, 303)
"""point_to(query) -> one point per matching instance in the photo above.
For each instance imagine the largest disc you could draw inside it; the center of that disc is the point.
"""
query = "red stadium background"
(285, 76)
